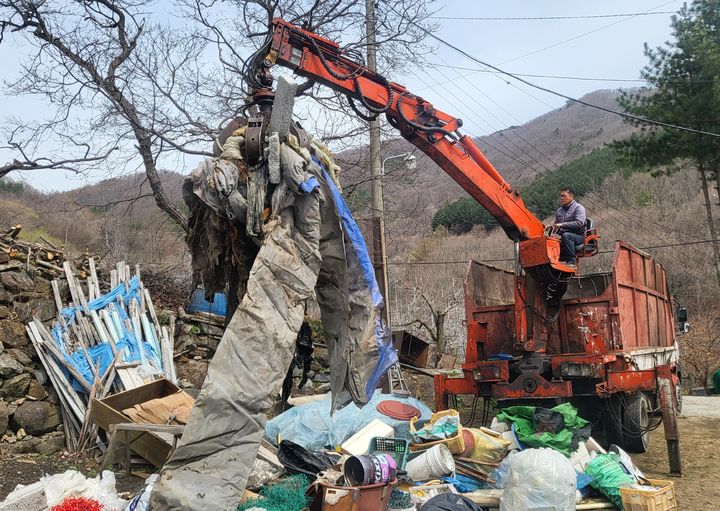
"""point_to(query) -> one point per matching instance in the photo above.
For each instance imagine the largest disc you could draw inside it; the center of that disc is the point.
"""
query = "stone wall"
(195, 345)
(30, 417)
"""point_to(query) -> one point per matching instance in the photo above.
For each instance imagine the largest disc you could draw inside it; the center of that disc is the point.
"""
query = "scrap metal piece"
(254, 140)
(273, 157)
(281, 116)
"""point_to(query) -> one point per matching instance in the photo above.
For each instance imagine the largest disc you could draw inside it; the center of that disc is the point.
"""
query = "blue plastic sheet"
(199, 304)
(101, 354)
(464, 484)
(312, 427)
(387, 356)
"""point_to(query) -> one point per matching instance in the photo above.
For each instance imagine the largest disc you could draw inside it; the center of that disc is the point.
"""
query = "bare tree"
(700, 349)
(424, 299)
(82, 160)
(114, 79)
(239, 28)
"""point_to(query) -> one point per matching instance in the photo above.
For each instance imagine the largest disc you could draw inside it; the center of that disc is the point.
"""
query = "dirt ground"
(699, 487)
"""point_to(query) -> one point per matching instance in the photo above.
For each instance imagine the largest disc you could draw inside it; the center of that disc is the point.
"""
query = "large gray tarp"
(215, 455)
(305, 249)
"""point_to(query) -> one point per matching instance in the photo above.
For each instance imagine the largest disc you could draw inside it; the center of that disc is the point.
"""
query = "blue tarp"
(387, 356)
(199, 304)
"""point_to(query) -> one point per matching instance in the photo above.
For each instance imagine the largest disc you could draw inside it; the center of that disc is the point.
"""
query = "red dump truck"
(611, 351)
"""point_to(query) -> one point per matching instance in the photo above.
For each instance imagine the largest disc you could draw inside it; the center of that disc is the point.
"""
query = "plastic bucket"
(367, 469)
(434, 463)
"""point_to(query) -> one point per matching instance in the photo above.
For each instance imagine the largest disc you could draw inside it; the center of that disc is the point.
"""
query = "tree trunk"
(710, 221)
(440, 332)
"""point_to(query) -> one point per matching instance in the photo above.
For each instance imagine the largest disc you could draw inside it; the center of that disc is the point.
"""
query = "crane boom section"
(432, 131)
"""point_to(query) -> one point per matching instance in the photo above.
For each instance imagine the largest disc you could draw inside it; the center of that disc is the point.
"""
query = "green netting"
(287, 495)
(523, 417)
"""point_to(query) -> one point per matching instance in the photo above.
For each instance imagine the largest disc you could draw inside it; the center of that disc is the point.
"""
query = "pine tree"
(685, 79)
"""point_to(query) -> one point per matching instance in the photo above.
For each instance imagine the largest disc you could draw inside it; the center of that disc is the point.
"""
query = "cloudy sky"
(607, 52)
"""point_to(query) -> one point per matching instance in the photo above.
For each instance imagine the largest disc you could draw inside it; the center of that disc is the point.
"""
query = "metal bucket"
(368, 469)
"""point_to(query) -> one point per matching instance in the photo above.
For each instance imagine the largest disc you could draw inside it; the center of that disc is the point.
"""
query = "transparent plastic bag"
(501, 474)
(540, 480)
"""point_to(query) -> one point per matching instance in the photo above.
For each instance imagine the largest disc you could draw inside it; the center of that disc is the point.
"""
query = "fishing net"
(287, 495)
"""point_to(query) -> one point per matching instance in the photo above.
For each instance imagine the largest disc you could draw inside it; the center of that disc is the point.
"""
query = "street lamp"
(408, 161)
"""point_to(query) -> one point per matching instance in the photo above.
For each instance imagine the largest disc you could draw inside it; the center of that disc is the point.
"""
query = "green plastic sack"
(522, 417)
(608, 476)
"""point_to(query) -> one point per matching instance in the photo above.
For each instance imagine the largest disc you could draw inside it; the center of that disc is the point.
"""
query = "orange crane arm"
(432, 131)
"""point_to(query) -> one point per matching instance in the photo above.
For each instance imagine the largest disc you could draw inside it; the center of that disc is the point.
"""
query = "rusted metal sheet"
(631, 381)
(643, 298)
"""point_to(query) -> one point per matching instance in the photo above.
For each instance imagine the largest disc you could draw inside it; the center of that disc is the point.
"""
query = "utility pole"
(378, 220)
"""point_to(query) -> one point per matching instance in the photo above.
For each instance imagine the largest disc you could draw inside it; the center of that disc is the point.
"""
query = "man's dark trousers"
(567, 245)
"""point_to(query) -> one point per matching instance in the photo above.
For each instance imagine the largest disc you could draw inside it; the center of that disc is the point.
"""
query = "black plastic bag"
(298, 460)
(548, 421)
(450, 502)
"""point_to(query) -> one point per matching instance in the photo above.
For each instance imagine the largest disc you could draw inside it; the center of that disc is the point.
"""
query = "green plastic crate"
(395, 447)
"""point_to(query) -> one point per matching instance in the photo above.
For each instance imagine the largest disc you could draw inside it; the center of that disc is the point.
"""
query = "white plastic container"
(434, 463)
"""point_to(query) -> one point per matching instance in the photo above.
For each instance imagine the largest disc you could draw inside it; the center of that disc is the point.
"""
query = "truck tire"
(636, 419)
(611, 417)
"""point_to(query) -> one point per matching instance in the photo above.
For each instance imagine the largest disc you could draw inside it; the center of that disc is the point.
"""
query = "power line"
(510, 259)
(560, 77)
(557, 165)
(534, 18)
(515, 119)
(499, 132)
(513, 155)
(614, 219)
(631, 16)
(639, 119)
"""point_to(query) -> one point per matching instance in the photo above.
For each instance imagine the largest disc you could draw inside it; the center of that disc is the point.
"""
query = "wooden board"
(171, 409)
(109, 411)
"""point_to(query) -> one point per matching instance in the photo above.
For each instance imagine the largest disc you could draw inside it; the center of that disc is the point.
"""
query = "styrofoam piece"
(580, 458)
(360, 442)
(593, 446)
(491, 432)
(510, 437)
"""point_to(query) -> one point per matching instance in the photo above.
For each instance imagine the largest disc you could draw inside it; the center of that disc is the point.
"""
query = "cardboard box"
(151, 446)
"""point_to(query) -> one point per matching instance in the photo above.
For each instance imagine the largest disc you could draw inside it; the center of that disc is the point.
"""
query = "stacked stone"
(30, 417)
(195, 345)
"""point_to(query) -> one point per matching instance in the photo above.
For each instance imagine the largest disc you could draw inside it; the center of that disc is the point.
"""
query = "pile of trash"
(395, 454)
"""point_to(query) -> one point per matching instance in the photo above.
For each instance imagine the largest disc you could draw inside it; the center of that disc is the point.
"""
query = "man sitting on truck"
(570, 222)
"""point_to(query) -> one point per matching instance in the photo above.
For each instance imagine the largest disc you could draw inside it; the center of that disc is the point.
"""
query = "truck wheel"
(611, 417)
(636, 419)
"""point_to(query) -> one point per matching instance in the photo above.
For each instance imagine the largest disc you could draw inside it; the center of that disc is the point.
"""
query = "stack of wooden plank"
(101, 343)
